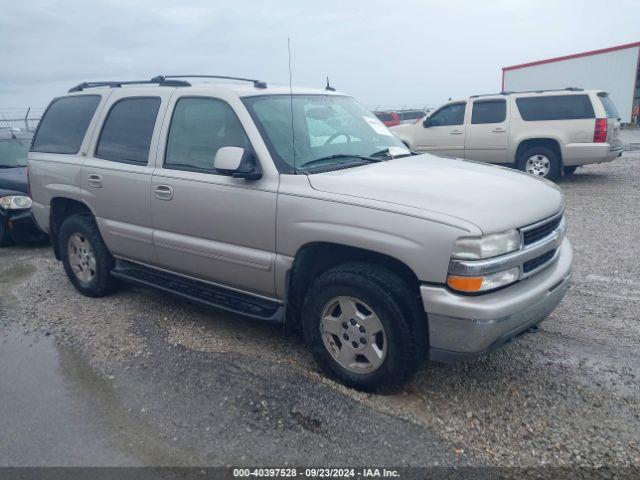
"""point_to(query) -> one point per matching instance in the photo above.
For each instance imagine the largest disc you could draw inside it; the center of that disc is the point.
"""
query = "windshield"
(13, 152)
(324, 127)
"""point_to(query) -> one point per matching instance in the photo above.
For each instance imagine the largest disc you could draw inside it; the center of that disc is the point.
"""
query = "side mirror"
(237, 162)
(426, 123)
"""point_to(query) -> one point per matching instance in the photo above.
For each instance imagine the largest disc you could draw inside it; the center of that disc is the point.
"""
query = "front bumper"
(22, 226)
(463, 327)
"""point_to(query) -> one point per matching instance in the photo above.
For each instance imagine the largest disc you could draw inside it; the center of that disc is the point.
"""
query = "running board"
(200, 292)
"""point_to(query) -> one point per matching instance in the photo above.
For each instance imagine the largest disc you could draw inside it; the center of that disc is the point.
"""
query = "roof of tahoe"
(243, 87)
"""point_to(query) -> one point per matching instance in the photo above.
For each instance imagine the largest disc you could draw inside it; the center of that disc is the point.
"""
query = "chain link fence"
(19, 120)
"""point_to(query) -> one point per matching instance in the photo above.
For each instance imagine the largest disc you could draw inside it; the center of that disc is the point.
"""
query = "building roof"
(575, 55)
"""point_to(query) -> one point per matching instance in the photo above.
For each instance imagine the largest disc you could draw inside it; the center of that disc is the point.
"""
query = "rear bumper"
(464, 327)
(587, 153)
(23, 227)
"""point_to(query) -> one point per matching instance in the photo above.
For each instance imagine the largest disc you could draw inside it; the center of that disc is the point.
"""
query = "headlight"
(15, 202)
(483, 283)
(487, 246)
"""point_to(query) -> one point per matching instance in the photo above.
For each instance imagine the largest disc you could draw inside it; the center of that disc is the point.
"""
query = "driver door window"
(449, 115)
(445, 133)
(199, 127)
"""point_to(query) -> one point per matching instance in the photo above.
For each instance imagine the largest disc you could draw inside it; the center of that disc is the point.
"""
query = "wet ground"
(70, 399)
(139, 378)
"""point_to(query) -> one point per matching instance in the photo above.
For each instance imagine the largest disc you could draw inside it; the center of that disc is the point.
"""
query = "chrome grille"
(534, 263)
(540, 248)
(538, 232)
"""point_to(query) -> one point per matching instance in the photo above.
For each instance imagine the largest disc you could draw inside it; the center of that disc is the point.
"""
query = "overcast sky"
(385, 53)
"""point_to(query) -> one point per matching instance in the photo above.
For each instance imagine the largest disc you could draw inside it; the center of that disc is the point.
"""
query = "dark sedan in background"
(16, 222)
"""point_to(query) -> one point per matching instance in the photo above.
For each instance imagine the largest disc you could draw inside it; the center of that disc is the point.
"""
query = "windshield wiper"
(340, 155)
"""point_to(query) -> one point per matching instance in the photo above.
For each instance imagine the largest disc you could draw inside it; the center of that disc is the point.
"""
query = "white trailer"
(615, 70)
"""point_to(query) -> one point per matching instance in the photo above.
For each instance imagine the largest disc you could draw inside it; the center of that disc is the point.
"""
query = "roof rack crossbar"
(116, 84)
(256, 83)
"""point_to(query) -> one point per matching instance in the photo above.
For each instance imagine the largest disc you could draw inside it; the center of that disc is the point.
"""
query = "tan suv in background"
(297, 206)
(544, 133)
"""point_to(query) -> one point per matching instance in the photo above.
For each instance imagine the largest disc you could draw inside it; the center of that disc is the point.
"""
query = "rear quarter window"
(555, 107)
(65, 124)
(609, 106)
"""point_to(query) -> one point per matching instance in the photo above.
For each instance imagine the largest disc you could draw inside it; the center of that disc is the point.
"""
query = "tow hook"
(533, 329)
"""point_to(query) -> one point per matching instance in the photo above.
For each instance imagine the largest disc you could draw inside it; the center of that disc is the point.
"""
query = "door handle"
(94, 180)
(499, 130)
(163, 192)
(455, 132)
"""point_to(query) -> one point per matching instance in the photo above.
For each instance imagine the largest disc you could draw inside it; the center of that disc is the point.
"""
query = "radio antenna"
(329, 88)
(293, 131)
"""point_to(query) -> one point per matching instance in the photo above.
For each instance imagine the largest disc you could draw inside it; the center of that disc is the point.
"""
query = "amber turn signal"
(465, 284)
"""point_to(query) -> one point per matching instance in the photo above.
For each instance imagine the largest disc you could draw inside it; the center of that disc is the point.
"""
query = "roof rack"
(567, 89)
(256, 83)
(489, 94)
(116, 84)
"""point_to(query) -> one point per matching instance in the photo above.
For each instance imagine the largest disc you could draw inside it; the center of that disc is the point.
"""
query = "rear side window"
(65, 124)
(609, 106)
(555, 107)
(127, 131)
(489, 111)
(199, 127)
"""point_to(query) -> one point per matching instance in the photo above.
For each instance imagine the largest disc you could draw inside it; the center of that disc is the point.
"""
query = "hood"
(493, 198)
(14, 179)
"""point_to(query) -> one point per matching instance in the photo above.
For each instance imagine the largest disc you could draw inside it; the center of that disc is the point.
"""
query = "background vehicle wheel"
(364, 327)
(570, 170)
(5, 235)
(540, 162)
(85, 257)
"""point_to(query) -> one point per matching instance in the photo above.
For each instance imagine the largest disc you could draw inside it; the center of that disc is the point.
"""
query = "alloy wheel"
(81, 257)
(538, 165)
(353, 334)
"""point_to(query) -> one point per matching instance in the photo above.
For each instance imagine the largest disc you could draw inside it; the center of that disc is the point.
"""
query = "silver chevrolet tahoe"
(297, 206)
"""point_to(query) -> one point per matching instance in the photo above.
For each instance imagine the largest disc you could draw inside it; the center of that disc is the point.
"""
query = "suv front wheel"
(364, 328)
(540, 162)
(85, 257)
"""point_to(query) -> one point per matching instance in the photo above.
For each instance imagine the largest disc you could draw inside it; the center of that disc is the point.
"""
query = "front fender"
(424, 246)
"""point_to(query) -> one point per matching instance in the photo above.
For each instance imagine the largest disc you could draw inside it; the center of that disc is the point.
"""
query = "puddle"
(55, 410)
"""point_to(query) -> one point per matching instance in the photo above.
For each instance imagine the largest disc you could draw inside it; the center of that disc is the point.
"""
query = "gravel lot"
(140, 378)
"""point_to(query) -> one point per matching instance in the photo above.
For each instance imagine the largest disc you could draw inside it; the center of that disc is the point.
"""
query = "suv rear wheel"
(85, 257)
(363, 327)
(540, 162)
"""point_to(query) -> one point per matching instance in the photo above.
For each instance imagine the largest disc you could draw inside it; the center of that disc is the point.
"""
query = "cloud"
(385, 53)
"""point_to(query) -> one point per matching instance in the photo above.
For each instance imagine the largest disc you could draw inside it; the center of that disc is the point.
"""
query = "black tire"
(5, 234)
(554, 161)
(570, 170)
(102, 283)
(399, 311)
